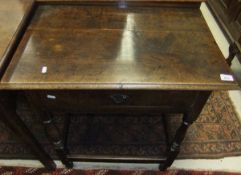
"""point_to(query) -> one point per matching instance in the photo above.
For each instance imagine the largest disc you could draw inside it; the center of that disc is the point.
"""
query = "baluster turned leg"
(188, 118)
(233, 50)
(52, 131)
(175, 146)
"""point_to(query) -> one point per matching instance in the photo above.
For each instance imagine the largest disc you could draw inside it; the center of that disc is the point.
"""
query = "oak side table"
(109, 56)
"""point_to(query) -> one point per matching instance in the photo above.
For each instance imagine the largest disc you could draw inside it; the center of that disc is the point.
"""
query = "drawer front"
(81, 100)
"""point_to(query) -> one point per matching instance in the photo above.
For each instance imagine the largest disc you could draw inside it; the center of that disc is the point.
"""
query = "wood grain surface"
(115, 47)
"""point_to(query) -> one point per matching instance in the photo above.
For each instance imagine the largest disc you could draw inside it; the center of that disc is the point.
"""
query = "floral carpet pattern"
(216, 133)
(42, 171)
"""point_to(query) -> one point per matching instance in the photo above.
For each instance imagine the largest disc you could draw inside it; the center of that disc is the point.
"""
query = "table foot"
(69, 164)
(62, 154)
(50, 165)
(162, 167)
(175, 146)
(53, 134)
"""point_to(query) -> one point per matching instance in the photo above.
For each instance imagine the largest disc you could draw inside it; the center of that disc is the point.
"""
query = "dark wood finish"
(103, 56)
(228, 16)
(101, 102)
(90, 52)
(111, 158)
(89, 101)
(233, 50)
(188, 102)
(234, 10)
(189, 117)
(51, 129)
(14, 15)
(9, 117)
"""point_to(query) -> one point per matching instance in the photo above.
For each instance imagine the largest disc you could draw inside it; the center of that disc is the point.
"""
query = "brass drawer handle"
(119, 98)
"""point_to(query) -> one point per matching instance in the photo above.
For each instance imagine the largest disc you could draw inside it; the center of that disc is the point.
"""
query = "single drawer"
(81, 100)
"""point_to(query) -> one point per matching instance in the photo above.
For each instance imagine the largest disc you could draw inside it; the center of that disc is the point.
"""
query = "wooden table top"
(111, 47)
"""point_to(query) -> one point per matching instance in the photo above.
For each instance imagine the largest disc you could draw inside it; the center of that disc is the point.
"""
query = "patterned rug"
(42, 171)
(216, 134)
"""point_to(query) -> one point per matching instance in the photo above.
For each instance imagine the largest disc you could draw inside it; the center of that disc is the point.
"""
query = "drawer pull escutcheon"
(119, 98)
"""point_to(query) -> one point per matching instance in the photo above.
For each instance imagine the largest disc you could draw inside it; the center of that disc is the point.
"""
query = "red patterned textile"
(42, 171)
